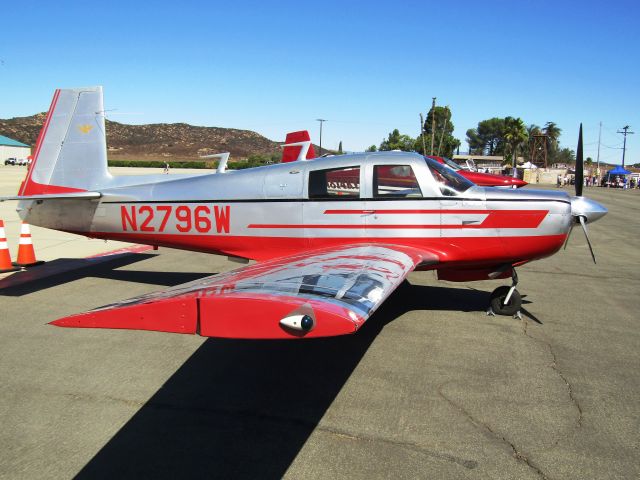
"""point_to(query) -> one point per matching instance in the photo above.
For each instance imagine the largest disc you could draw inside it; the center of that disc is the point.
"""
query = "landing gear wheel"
(497, 301)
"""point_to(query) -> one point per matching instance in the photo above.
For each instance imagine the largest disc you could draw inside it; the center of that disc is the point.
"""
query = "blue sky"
(367, 67)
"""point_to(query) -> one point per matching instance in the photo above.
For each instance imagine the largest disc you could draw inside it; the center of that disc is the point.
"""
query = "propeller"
(580, 215)
(583, 222)
(579, 180)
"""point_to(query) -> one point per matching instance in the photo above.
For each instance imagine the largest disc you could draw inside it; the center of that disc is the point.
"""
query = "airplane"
(327, 254)
(298, 147)
(482, 179)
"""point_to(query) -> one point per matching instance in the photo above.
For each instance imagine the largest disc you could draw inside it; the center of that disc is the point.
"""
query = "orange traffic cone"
(26, 254)
(5, 256)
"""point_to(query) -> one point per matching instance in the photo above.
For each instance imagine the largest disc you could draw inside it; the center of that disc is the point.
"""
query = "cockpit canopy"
(449, 182)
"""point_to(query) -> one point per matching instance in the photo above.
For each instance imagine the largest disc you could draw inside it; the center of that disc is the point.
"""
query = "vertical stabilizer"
(71, 152)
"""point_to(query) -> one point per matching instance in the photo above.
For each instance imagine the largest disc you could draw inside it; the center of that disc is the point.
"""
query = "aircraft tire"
(497, 301)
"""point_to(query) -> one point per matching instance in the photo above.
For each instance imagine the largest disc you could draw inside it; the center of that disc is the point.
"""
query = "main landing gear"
(506, 300)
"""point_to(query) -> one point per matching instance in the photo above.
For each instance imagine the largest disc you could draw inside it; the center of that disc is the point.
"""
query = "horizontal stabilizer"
(316, 294)
(56, 196)
(297, 146)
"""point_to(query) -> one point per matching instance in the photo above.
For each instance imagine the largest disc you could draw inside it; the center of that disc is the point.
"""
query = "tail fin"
(290, 153)
(71, 151)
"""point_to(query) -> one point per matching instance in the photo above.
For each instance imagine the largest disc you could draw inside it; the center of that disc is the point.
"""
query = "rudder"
(71, 151)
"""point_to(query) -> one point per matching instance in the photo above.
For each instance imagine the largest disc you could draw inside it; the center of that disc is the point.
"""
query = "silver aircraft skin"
(362, 207)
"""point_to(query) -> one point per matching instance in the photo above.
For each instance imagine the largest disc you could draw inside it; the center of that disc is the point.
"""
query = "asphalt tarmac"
(431, 387)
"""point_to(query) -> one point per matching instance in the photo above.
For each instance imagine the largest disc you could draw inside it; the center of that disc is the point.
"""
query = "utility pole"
(598, 159)
(625, 132)
(446, 120)
(424, 147)
(433, 121)
(321, 120)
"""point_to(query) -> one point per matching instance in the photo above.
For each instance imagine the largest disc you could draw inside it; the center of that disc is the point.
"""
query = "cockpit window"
(451, 164)
(334, 182)
(395, 181)
(450, 183)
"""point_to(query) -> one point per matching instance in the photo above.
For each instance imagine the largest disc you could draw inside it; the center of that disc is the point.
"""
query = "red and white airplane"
(482, 179)
(328, 251)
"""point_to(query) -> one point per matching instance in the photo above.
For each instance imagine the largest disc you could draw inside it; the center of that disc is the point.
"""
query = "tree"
(532, 130)
(444, 143)
(552, 131)
(397, 141)
(340, 148)
(566, 155)
(487, 138)
(515, 135)
(372, 148)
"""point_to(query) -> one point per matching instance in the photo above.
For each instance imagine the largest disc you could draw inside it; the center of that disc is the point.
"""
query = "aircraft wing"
(315, 294)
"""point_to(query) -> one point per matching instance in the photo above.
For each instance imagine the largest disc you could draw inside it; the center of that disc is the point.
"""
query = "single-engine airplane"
(328, 252)
(482, 179)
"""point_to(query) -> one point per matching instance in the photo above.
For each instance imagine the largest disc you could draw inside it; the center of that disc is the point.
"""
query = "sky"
(366, 67)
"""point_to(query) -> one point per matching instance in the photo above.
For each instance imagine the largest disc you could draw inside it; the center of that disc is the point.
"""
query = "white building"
(12, 148)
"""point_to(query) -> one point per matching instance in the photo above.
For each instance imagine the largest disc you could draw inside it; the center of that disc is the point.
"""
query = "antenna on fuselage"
(224, 158)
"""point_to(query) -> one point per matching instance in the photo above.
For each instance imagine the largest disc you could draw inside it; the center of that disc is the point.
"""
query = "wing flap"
(337, 290)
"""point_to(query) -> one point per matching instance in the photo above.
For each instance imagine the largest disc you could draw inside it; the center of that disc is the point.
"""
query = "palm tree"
(533, 129)
(552, 131)
(515, 135)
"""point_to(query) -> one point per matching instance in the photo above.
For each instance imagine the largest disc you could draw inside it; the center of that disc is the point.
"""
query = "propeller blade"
(579, 165)
(566, 242)
(584, 227)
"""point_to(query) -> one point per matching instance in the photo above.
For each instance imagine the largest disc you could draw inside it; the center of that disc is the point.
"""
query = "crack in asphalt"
(283, 419)
(517, 454)
(556, 368)
(469, 464)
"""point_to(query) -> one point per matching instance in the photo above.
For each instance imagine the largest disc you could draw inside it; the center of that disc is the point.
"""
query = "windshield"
(451, 163)
(450, 183)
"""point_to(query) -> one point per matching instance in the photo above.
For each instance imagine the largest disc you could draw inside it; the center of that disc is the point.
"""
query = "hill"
(160, 141)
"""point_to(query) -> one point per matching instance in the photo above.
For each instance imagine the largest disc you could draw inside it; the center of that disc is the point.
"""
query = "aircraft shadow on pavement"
(24, 283)
(244, 409)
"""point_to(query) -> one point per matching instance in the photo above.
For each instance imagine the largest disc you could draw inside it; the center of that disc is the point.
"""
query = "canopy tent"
(618, 171)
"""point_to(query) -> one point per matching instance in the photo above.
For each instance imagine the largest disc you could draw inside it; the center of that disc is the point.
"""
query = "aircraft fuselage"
(278, 210)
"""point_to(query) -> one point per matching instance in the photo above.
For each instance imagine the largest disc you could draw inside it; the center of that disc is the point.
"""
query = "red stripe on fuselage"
(495, 219)
(464, 251)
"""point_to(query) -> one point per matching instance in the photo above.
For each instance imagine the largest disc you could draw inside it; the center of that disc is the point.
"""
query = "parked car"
(11, 161)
